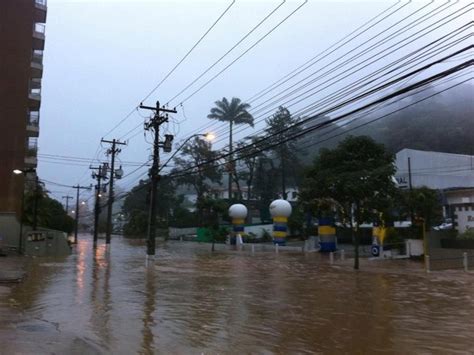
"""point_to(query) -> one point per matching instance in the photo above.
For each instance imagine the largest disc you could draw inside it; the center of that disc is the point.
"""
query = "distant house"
(451, 174)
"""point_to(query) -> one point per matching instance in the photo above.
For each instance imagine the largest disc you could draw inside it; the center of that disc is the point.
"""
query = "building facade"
(22, 39)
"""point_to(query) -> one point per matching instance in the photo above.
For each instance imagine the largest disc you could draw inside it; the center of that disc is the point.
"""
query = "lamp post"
(35, 212)
(208, 136)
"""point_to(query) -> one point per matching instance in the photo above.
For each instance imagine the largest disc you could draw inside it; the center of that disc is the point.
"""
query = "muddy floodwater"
(194, 301)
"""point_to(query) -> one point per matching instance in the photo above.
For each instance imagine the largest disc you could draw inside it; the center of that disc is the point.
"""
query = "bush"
(266, 236)
(393, 240)
(467, 235)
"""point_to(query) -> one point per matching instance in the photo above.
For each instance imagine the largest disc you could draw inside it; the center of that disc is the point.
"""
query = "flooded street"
(196, 302)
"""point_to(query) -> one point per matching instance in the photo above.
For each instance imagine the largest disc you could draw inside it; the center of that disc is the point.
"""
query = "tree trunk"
(283, 175)
(230, 160)
(237, 184)
(356, 238)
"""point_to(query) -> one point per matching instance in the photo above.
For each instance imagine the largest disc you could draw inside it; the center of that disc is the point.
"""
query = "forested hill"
(443, 123)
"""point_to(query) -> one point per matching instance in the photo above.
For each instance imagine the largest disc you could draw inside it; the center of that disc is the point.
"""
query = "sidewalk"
(11, 269)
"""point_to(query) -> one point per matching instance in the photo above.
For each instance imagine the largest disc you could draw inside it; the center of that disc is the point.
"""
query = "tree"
(265, 188)
(50, 212)
(355, 176)
(248, 156)
(282, 125)
(198, 153)
(136, 206)
(234, 112)
(425, 203)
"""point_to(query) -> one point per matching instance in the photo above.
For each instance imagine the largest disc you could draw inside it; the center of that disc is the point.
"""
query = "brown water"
(196, 302)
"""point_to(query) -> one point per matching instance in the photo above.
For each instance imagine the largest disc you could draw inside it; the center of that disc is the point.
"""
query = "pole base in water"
(150, 261)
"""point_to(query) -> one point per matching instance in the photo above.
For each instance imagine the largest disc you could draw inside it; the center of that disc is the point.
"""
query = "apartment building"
(22, 38)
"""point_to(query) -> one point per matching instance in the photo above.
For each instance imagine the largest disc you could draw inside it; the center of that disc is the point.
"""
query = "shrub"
(468, 234)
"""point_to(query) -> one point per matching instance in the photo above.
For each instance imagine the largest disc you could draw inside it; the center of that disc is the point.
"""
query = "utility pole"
(409, 174)
(76, 221)
(35, 207)
(67, 197)
(112, 151)
(154, 125)
(99, 176)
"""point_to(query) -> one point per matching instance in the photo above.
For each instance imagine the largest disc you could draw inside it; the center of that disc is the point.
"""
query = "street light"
(35, 211)
(209, 136)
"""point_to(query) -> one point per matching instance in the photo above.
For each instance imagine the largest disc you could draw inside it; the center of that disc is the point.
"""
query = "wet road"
(196, 302)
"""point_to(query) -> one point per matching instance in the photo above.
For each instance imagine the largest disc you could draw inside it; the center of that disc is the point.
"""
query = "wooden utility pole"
(99, 176)
(67, 197)
(76, 221)
(154, 125)
(112, 152)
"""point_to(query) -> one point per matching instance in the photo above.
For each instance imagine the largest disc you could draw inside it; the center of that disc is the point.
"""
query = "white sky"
(103, 57)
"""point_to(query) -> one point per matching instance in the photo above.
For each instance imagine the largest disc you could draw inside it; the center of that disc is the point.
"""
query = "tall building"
(22, 37)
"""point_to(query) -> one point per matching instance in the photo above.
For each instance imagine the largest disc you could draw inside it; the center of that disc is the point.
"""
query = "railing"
(37, 56)
(35, 92)
(33, 119)
(39, 28)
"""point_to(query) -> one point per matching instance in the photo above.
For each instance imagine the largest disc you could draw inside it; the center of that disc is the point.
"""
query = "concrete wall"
(9, 230)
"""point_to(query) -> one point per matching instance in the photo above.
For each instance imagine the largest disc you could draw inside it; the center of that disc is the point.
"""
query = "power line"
(349, 61)
(189, 52)
(172, 70)
(342, 116)
(178, 174)
(244, 53)
(228, 51)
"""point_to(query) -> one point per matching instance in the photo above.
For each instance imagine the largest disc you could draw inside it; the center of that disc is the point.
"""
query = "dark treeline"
(443, 123)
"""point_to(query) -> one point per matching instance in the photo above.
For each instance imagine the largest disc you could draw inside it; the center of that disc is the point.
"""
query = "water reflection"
(147, 345)
(196, 301)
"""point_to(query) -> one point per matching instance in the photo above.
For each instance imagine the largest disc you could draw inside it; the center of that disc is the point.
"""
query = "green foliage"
(210, 210)
(137, 224)
(422, 202)
(296, 221)
(468, 234)
(356, 173)
(249, 155)
(356, 177)
(198, 152)
(136, 206)
(392, 237)
(51, 213)
(266, 236)
(235, 111)
(265, 189)
(442, 124)
(290, 167)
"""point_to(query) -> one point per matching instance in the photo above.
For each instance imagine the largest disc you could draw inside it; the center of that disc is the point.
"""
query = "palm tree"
(234, 112)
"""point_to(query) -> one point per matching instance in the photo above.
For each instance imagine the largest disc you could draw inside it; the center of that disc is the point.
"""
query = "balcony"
(40, 11)
(37, 64)
(39, 30)
(32, 124)
(31, 153)
(34, 99)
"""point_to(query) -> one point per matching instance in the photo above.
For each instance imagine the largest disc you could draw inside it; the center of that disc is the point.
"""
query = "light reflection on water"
(194, 301)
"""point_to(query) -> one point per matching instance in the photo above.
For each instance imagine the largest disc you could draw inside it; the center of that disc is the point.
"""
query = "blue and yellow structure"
(280, 211)
(238, 213)
(327, 234)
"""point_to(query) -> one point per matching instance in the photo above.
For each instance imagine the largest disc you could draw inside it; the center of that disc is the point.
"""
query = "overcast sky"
(103, 57)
